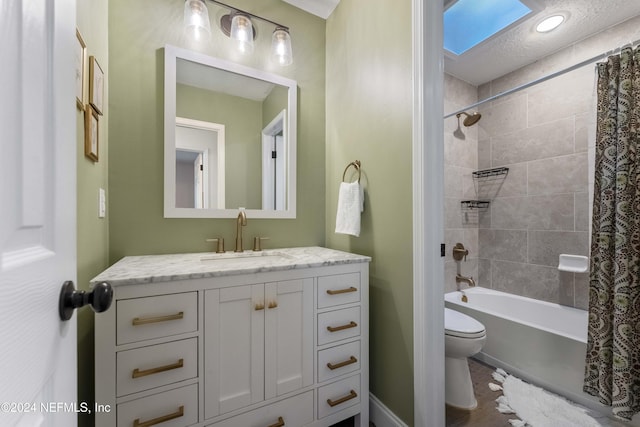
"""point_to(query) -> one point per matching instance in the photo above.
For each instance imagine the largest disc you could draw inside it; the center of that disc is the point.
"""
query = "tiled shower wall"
(541, 208)
(461, 159)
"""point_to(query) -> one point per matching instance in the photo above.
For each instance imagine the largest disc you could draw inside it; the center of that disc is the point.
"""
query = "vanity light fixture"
(238, 26)
(550, 23)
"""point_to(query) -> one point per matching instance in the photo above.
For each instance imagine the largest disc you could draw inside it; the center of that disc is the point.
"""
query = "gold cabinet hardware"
(259, 306)
(179, 413)
(352, 395)
(146, 320)
(137, 373)
(351, 324)
(280, 423)
(341, 364)
(342, 291)
(273, 304)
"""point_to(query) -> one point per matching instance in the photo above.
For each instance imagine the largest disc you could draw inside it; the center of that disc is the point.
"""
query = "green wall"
(93, 232)
(369, 118)
(363, 53)
(136, 73)
(242, 118)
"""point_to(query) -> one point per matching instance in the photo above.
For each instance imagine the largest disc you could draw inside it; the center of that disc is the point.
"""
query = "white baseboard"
(382, 416)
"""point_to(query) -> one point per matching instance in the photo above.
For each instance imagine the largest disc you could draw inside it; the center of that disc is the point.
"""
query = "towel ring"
(355, 164)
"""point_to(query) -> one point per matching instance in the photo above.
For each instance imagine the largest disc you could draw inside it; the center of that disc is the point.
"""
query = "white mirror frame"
(171, 54)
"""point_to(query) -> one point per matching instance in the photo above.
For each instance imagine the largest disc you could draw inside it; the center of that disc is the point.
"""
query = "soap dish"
(573, 263)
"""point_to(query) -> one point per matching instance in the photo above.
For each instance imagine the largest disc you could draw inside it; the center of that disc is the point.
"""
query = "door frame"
(215, 180)
(274, 177)
(428, 221)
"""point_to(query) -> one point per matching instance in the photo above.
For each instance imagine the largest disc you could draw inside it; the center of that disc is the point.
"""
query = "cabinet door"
(288, 336)
(234, 348)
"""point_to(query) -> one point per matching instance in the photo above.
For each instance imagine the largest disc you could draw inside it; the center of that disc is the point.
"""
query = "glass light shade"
(281, 52)
(242, 32)
(196, 20)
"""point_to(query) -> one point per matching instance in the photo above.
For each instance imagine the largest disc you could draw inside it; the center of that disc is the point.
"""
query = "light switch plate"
(102, 203)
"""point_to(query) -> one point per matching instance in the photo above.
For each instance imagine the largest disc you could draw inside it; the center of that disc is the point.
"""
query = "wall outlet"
(102, 203)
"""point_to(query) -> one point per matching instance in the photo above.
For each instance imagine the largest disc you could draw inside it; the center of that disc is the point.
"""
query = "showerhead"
(471, 119)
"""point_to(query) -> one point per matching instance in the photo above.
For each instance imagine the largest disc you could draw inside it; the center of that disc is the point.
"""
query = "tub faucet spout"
(463, 279)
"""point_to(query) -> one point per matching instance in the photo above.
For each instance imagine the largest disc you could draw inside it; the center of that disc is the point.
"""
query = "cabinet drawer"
(338, 325)
(295, 411)
(337, 396)
(338, 289)
(156, 365)
(141, 319)
(338, 360)
(173, 408)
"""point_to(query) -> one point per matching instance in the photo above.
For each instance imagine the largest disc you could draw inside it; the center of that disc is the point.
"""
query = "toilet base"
(458, 386)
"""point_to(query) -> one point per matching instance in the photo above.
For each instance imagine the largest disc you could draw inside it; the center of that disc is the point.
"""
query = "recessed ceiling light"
(550, 23)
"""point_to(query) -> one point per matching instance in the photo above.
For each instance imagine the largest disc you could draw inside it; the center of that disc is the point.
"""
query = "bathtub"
(538, 341)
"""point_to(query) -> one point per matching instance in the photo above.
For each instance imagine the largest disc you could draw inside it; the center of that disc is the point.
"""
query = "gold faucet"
(459, 252)
(463, 279)
(241, 221)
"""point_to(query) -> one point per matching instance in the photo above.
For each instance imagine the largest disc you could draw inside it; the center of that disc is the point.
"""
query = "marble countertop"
(134, 270)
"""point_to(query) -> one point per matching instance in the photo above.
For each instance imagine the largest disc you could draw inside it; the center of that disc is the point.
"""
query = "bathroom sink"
(246, 257)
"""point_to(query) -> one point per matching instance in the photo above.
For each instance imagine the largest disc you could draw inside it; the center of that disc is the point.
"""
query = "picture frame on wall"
(80, 61)
(96, 85)
(91, 132)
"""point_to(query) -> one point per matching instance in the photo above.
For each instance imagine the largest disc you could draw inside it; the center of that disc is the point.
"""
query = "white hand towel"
(350, 205)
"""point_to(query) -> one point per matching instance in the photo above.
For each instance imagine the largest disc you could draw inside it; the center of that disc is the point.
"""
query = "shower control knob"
(99, 298)
(459, 252)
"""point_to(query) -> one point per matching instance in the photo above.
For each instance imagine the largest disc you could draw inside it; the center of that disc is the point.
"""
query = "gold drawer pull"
(146, 320)
(137, 373)
(341, 364)
(273, 304)
(259, 307)
(179, 413)
(351, 324)
(280, 423)
(342, 291)
(352, 395)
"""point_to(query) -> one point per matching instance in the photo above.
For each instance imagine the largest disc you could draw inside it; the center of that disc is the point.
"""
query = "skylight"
(470, 22)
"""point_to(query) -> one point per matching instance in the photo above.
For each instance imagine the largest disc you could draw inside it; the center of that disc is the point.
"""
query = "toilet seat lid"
(458, 324)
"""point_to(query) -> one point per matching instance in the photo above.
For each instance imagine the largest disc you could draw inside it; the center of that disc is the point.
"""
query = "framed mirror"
(229, 139)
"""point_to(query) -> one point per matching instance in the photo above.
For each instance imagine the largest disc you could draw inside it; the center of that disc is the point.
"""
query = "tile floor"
(486, 414)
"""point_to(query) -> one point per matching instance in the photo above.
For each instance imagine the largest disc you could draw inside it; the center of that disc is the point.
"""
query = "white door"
(37, 212)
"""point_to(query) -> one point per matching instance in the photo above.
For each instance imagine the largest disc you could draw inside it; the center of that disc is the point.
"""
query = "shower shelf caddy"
(487, 183)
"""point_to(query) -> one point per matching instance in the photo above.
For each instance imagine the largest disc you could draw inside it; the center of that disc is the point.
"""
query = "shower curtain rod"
(545, 78)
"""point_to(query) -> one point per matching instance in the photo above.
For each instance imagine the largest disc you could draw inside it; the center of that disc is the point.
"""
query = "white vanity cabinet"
(258, 343)
(264, 343)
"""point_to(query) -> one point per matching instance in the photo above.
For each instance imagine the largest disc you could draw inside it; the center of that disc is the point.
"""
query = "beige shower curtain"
(613, 350)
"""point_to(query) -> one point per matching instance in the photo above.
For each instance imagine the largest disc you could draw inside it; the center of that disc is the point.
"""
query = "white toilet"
(464, 336)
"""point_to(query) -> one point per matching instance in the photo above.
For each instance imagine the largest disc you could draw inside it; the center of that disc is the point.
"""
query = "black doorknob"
(99, 298)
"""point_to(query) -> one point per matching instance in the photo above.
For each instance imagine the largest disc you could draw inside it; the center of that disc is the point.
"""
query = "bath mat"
(535, 406)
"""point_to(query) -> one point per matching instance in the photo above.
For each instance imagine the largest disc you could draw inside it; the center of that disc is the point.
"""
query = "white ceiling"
(321, 8)
(521, 45)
